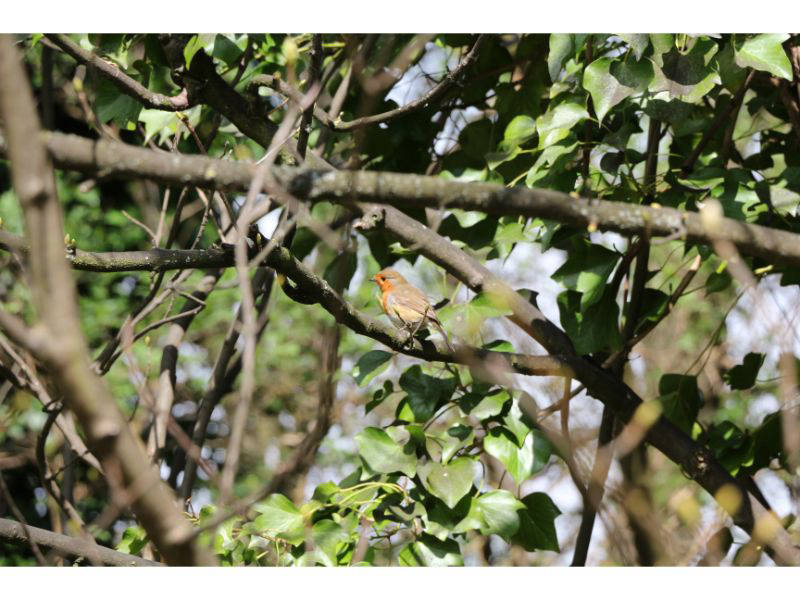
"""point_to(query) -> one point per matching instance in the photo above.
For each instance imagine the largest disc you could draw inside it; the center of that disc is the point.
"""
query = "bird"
(407, 307)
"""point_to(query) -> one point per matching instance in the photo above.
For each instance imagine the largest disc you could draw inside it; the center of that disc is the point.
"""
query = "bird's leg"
(410, 339)
(417, 327)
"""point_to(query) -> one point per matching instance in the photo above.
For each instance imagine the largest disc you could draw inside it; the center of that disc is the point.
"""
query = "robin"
(406, 306)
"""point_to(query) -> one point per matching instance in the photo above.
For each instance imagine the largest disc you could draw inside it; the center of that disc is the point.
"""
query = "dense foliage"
(372, 457)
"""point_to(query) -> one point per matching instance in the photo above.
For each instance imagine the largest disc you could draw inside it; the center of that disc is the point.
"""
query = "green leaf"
(765, 53)
(490, 305)
(428, 551)
(324, 491)
(520, 129)
(743, 376)
(768, 442)
(279, 517)
(638, 42)
(225, 50)
(156, 121)
(341, 270)
(586, 270)
(198, 42)
(450, 482)
(562, 46)
(425, 393)
(112, 105)
(595, 330)
(369, 365)
(440, 520)
(476, 236)
(133, 540)
(680, 399)
(555, 124)
(537, 530)
(689, 76)
(382, 454)
(522, 462)
(654, 303)
(498, 510)
(328, 536)
(484, 406)
(610, 81)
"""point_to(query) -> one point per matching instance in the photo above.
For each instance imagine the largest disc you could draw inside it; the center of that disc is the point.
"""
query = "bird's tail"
(438, 326)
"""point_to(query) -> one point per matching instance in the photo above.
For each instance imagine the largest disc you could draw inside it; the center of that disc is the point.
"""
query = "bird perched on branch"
(407, 307)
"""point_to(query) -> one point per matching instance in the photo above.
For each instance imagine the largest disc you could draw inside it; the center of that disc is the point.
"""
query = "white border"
(417, 16)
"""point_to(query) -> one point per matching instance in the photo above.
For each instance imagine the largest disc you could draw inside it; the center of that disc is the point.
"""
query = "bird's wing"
(411, 302)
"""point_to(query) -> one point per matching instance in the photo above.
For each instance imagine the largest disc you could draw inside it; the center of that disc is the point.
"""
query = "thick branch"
(12, 531)
(409, 191)
(126, 84)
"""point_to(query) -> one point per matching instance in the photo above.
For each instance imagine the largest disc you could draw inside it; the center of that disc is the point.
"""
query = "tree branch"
(415, 191)
(13, 532)
(126, 84)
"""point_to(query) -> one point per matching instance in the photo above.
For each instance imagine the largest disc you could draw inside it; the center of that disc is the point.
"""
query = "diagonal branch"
(126, 84)
(12, 531)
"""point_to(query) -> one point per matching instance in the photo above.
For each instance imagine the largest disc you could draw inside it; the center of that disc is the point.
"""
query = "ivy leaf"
(196, 43)
(425, 393)
(638, 42)
(586, 270)
(382, 454)
(689, 76)
(594, 330)
(610, 81)
(555, 124)
(743, 376)
(428, 551)
(732, 447)
(498, 510)
(484, 406)
(450, 482)
(520, 129)
(765, 53)
(133, 540)
(680, 399)
(768, 442)
(225, 50)
(476, 236)
(369, 365)
(279, 517)
(718, 281)
(537, 530)
(327, 536)
(114, 106)
(562, 46)
(522, 462)
(341, 270)
(654, 303)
